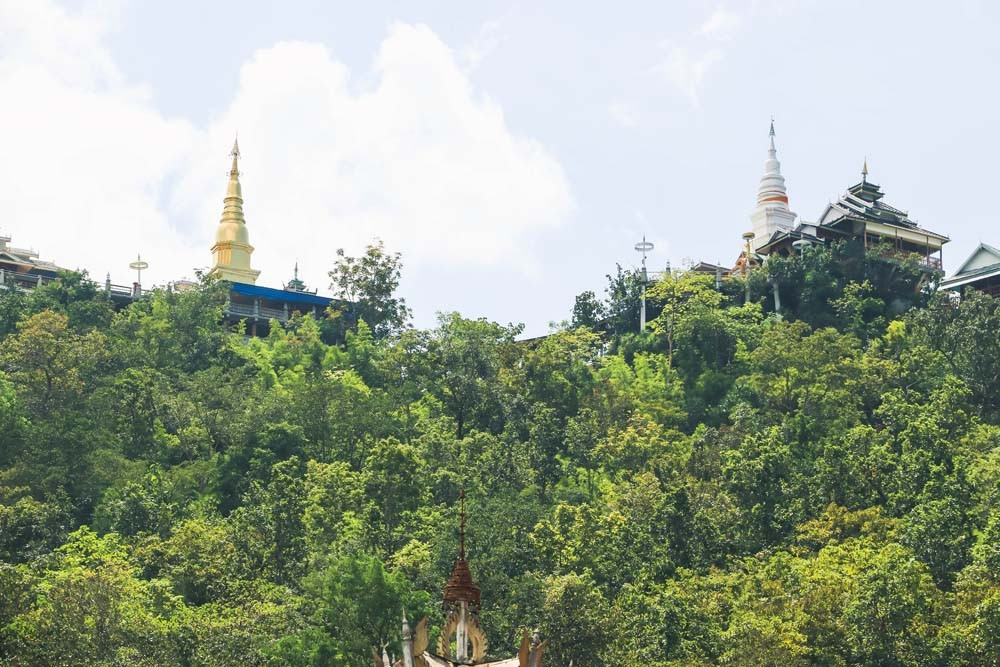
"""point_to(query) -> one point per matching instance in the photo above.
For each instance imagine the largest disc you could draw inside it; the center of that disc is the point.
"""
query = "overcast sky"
(513, 152)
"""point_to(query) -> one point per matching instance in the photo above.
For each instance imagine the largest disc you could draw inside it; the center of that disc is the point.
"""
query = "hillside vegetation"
(728, 488)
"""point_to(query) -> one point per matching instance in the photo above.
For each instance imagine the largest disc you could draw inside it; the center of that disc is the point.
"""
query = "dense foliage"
(731, 487)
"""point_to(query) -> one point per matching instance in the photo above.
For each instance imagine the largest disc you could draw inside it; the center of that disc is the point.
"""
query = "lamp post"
(643, 246)
(138, 265)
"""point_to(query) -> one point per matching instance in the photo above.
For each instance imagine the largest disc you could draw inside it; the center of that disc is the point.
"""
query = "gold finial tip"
(236, 146)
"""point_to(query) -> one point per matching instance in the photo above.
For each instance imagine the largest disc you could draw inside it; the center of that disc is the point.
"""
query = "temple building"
(462, 641)
(981, 271)
(255, 304)
(860, 215)
(22, 267)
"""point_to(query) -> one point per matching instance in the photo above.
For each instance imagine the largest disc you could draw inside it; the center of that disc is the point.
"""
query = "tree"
(360, 606)
(588, 311)
(575, 621)
(468, 356)
(268, 527)
(624, 291)
(957, 331)
(369, 284)
(93, 611)
(48, 362)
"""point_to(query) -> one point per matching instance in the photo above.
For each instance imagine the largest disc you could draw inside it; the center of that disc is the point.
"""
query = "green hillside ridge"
(732, 487)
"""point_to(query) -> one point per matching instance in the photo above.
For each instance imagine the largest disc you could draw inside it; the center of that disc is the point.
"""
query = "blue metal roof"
(281, 295)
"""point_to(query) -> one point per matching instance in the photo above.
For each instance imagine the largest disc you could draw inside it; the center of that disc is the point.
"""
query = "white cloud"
(84, 154)
(721, 25)
(691, 58)
(686, 71)
(410, 152)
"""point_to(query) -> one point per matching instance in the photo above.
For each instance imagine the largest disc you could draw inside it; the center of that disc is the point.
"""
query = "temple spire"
(232, 249)
(772, 212)
(462, 594)
(771, 191)
(864, 171)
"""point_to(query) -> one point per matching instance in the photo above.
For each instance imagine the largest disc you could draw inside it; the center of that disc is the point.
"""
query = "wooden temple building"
(860, 216)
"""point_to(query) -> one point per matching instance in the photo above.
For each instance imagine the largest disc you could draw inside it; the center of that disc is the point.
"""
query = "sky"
(513, 152)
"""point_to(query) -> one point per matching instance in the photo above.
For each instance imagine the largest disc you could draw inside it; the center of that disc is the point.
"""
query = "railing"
(30, 281)
(925, 260)
(240, 309)
(991, 290)
(272, 314)
(933, 262)
(256, 312)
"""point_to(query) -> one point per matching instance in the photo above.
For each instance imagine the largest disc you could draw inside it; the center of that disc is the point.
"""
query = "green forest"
(733, 486)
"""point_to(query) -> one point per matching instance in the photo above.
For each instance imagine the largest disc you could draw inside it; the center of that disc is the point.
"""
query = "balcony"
(928, 261)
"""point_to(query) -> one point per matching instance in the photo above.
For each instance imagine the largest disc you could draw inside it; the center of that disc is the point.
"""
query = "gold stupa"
(232, 249)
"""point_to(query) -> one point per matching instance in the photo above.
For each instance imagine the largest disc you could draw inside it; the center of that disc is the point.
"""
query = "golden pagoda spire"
(232, 249)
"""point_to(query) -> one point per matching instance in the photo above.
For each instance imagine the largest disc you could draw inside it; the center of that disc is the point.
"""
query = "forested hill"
(729, 488)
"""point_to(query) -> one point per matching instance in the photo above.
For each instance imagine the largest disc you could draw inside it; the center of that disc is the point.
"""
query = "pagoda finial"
(461, 526)
(235, 172)
(460, 587)
(864, 171)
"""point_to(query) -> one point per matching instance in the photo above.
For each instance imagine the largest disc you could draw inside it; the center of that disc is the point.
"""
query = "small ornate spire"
(461, 587)
(864, 171)
(295, 284)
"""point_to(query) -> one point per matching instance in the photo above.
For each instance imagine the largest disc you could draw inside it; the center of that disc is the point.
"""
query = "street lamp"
(643, 246)
(138, 265)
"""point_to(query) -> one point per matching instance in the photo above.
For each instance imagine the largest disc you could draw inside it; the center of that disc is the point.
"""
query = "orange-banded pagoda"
(462, 641)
